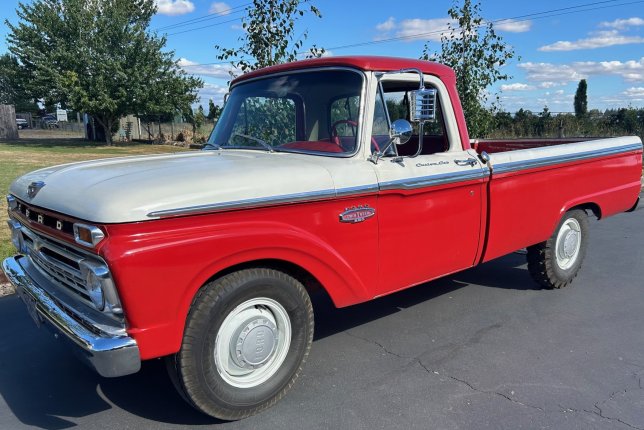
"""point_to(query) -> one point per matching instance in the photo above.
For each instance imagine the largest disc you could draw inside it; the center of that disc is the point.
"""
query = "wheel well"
(314, 287)
(592, 207)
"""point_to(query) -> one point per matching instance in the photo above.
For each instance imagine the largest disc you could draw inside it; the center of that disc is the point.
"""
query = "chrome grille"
(57, 262)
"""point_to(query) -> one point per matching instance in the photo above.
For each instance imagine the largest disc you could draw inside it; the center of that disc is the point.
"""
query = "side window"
(270, 119)
(343, 121)
(397, 100)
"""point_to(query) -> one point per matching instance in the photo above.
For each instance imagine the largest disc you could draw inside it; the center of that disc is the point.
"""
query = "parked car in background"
(22, 123)
(49, 121)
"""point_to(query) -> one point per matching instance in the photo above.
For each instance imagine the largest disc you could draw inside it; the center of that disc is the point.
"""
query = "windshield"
(315, 112)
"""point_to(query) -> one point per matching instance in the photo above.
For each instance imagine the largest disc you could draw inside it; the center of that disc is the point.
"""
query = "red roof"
(370, 63)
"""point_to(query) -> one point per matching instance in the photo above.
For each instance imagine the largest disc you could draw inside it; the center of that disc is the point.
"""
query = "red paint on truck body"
(414, 236)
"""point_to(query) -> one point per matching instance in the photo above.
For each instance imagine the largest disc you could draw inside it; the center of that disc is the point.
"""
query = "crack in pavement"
(381, 346)
(478, 390)
(433, 372)
(598, 412)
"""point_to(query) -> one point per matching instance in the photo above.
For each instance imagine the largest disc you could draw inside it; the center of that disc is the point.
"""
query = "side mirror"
(400, 131)
(422, 104)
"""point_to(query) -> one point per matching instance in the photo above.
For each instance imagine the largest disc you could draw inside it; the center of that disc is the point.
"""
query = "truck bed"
(540, 179)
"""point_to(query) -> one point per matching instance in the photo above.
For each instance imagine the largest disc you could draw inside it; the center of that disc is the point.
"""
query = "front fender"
(158, 272)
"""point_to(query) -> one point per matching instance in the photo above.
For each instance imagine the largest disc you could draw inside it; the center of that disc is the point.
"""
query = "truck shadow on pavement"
(45, 386)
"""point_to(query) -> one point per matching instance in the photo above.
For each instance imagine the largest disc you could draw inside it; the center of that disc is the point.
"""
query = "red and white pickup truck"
(353, 176)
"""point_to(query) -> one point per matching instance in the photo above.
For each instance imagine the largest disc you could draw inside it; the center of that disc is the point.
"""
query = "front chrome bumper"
(110, 355)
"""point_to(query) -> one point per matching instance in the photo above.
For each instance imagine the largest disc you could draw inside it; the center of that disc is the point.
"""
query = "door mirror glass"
(401, 131)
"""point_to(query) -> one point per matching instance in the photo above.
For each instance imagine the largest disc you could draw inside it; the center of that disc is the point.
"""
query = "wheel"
(246, 339)
(556, 262)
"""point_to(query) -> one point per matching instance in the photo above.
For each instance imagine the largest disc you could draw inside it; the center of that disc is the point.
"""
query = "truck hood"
(142, 188)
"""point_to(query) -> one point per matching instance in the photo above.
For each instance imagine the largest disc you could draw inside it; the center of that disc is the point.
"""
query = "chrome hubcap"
(252, 342)
(568, 243)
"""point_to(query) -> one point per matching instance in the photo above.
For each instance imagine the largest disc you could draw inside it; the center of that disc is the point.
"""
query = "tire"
(556, 262)
(246, 339)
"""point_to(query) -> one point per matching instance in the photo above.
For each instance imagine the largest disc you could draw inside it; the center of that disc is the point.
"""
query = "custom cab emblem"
(33, 188)
(357, 214)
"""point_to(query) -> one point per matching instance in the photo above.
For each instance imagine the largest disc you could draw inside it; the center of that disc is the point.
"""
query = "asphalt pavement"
(486, 348)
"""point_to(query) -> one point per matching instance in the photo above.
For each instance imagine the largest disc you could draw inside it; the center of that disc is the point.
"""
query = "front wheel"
(246, 339)
(556, 262)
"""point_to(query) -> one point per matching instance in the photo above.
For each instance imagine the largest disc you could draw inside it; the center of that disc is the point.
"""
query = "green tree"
(477, 54)
(13, 80)
(269, 35)
(200, 117)
(581, 99)
(98, 57)
(214, 111)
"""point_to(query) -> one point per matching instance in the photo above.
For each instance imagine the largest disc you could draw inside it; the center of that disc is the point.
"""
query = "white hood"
(128, 189)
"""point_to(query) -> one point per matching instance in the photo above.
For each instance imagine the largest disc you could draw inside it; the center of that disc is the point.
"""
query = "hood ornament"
(33, 188)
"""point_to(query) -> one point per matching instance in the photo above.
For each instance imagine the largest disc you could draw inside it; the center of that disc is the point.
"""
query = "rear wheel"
(556, 262)
(246, 339)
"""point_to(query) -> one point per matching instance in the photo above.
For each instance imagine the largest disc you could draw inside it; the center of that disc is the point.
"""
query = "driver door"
(429, 206)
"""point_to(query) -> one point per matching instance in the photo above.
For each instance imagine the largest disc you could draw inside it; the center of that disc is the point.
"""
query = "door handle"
(469, 162)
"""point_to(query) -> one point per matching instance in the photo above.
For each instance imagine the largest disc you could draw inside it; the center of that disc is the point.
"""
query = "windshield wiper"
(266, 145)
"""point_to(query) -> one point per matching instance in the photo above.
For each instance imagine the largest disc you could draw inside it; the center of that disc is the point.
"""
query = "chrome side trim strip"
(434, 180)
(548, 161)
(246, 204)
(406, 184)
(363, 189)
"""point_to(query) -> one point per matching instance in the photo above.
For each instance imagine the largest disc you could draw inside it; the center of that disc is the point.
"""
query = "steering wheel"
(336, 139)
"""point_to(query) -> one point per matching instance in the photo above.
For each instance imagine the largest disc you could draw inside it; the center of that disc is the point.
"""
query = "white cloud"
(517, 87)
(174, 7)
(548, 84)
(622, 24)
(634, 94)
(433, 28)
(513, 26)
(219, 8)
(414, 29)
(221, 71)
(559, 100)
(630, 71)
(214, 92)
(387, 25)
(600, 39)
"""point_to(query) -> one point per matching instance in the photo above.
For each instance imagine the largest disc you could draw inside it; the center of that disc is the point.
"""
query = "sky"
(557, 43)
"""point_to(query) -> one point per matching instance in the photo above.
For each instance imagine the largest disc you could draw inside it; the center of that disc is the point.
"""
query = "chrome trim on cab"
(558, 159)
(433, 180)
(110, 355)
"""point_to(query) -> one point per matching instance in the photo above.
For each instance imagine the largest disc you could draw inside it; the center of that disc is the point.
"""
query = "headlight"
(16, 235)
(97, 278)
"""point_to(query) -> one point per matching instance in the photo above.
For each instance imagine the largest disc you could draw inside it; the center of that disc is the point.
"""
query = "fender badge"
(33, 188)
(357, 214)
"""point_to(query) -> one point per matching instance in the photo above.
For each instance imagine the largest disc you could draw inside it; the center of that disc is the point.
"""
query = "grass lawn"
(24, 155)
